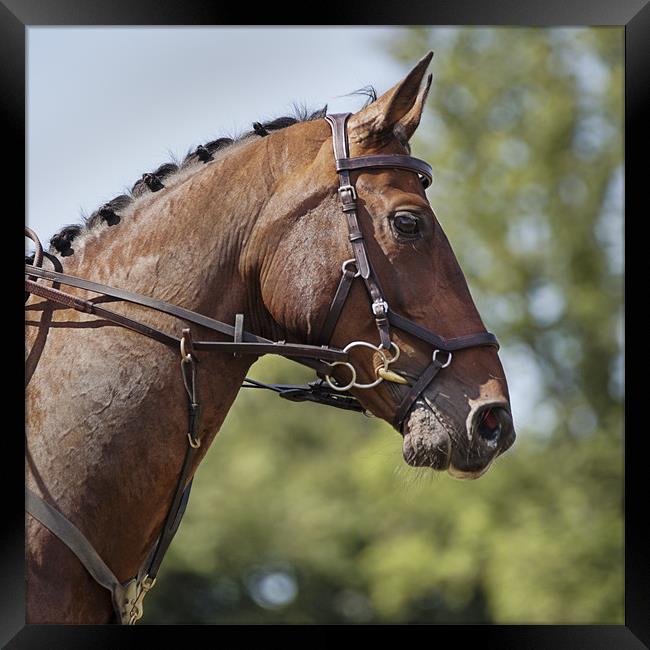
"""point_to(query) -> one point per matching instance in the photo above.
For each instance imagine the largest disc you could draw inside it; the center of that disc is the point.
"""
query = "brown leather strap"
(348, 199)
(414, 392)
(336, 307)
(71, 536)
(393, 160)
(145, 301)
(289, 350)
(239, 328)
(38, 247)
(449, 345)
(87, 307)
(181, 492)
(347, 193)
(309, 355)
(338, 124)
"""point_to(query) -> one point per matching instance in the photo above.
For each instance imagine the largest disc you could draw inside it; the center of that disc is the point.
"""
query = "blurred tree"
(302, 514)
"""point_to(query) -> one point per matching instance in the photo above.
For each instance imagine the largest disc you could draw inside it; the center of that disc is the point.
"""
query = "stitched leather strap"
(308, 355)
(87, 307)
(348, 199)
(393, 160)
(347, 193)
(145, 301)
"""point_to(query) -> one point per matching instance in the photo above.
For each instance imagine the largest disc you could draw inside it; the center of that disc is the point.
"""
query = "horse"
(316, 233)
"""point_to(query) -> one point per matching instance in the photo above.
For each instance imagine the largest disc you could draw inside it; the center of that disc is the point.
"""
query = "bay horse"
(316, 234)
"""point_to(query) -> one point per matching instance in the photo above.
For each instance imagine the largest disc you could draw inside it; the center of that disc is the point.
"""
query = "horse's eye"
(406, 225)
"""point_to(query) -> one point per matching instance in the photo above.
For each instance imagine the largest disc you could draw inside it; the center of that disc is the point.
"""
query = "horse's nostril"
(491, 424)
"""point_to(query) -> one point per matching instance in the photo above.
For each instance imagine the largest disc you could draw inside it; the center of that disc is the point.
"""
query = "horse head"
(460, 421)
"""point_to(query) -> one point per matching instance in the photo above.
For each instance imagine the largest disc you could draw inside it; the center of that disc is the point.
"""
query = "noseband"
(127, 597)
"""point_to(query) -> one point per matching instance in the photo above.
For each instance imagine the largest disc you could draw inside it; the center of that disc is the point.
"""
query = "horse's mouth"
(430, 440)
(427, 442)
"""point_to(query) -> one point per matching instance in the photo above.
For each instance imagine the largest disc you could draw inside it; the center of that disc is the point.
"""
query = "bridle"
(128, 597)
(384, 318)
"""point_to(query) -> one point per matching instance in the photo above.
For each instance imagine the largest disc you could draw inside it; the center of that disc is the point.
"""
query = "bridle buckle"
(348, 196)
(380, 308)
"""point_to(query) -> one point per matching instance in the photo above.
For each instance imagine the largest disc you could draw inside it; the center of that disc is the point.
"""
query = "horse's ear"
(411, 120)
(401, 104)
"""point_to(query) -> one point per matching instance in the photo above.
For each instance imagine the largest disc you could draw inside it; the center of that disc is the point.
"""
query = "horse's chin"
(427, 442)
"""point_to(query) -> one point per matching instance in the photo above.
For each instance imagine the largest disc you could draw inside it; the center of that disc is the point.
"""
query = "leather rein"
(127, 597)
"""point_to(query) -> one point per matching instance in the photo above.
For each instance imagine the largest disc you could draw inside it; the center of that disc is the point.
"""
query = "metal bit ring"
(342, 389)
(365, 344)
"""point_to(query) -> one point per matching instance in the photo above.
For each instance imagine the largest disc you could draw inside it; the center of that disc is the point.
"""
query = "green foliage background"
(301, 514)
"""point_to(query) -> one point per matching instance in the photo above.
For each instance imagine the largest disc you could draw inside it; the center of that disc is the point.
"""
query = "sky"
(107, 104)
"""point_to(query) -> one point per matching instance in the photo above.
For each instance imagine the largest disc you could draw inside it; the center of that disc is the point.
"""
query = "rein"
(127, 597)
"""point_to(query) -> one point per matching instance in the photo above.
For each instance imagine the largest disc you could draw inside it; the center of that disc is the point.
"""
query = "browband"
(392, 160)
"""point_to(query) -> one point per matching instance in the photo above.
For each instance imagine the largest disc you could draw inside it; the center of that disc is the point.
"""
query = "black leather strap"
(174, 514)
(449, 345)
(414, 392)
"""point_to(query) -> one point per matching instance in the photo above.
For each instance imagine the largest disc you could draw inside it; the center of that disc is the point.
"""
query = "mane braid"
(109, 213)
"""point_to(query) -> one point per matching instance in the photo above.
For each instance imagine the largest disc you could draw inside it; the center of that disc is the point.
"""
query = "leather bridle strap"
(414, 392)
(312, 356)
(347, 193)
(87, 307)
(392, 160)
(449, 345)
(348, 200)
(342, 291)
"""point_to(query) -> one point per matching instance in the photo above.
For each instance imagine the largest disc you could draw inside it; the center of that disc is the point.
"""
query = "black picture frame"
(634, 15)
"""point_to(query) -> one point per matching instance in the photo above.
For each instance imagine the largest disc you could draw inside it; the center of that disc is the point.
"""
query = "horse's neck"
(121, 406)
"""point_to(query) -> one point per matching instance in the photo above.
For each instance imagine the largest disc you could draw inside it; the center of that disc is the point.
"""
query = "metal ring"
(435, 354)
(347, 386)
(365, 344)
(344, 267)
(371, 385)
(185, 357)
(394, 358)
